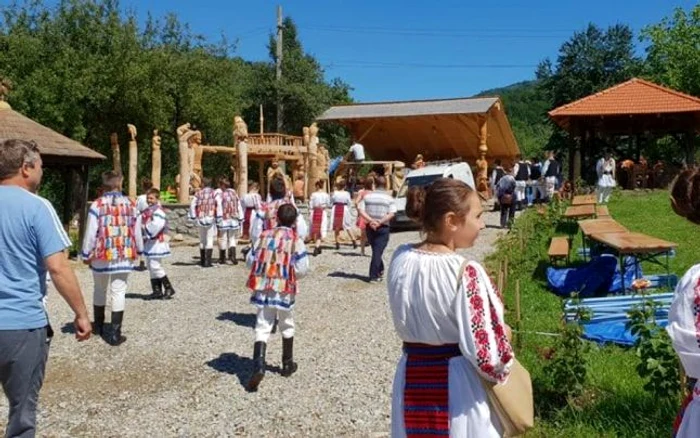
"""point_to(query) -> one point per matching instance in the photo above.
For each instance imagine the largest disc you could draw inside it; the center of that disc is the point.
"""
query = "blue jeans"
(378, 239)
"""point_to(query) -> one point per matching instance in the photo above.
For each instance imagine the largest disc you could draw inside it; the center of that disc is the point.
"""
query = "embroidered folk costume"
(203, 212)
(112, 244)
(454, 336)
(278, 259)
(250, 203)
(684, 330)
(229, 218)
(156, 248)
(318, 216)
(341, 214)
(265, 218)
(606, 179)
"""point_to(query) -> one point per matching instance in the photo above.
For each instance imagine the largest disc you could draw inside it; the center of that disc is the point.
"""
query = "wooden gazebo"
(631, 108)
(57, 152)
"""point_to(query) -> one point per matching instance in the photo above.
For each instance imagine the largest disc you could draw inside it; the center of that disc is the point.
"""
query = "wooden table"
(598, 226)
(583, 200)
(644, 247)
(579, 211)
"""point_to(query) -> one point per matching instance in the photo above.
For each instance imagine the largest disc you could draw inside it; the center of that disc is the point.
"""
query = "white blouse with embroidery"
(684, 330)
(429, 307)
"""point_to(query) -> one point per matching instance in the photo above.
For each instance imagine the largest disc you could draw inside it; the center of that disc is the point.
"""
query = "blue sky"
(399, 50)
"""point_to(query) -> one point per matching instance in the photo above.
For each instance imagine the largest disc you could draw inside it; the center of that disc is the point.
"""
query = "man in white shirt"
(357, 151)
(377, 208)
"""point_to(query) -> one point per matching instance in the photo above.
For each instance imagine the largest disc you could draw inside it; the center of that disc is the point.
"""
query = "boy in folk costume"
(318, 203)
(141, 205)
(277, 260)
(229, 217)
(203, 212)
(341, 214)
(112, 244)
(265, 217)
(155, 247)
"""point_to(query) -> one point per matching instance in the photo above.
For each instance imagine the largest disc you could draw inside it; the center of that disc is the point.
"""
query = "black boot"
(232, 255)
(99, 324)
(115, 338)
(317, 251)
(157, 286)
(142, 266)
(288, 364)
(202, 257)
(222, 256)
(258, 366)
(208, 255)
(169, 291)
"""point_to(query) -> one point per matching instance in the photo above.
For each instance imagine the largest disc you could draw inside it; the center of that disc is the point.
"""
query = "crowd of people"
(445, 308)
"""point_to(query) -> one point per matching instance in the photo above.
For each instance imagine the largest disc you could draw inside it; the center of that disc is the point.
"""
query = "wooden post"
(243, 167)
(68, 190)
(278, 67)
(133, 162)
(116, 156)
(155, 160)
(261, 178)
(482, 177)
(262, 120)
(82, 193)
(505, 276)
(517, 316)
(500, 277)
(183, 135)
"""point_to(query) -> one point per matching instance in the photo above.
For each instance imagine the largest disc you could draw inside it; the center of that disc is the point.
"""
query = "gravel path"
(182, 370)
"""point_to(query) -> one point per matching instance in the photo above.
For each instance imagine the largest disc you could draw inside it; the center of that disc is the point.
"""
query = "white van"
(423, 177)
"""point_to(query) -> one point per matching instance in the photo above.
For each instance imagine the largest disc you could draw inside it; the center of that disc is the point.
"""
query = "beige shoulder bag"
(511, 401)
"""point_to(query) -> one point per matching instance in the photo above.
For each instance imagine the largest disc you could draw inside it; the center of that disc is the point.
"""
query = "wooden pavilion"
(631, 108)
(71, 158)
(437, 129)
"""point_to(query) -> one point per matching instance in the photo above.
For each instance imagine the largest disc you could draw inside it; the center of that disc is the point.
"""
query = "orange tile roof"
(635, 96)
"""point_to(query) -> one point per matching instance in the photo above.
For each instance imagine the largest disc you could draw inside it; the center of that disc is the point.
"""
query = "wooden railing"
(274, 139)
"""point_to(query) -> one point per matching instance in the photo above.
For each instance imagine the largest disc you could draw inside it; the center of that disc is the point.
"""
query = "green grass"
(614, 403)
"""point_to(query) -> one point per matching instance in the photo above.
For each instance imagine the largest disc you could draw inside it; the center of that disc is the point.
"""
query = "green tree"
(673, 54)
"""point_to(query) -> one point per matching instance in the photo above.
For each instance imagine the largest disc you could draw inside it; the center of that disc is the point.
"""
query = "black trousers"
(507, 214)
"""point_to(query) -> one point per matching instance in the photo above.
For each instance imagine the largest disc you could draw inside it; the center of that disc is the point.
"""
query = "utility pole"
(278, 75)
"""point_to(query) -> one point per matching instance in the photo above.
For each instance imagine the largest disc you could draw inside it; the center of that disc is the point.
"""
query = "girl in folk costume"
(367, 187)
(111, 246)
(278, 259)
(141, 205)
(450, 318)
(605, 168)
(266, 216)
(229, 218)
(684, 314)
(203, 212)
(341, 214)
(318, 203)
(155, 247)
(251, 202)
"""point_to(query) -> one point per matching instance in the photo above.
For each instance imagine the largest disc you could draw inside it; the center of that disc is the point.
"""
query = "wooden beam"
(83, 193)
(362, 137)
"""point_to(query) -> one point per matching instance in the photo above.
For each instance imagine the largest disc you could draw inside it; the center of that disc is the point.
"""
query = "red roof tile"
(635, 96)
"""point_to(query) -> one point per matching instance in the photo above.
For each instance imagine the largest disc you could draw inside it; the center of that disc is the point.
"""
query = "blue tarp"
(335, 162)
(600, 276)
(613, 332)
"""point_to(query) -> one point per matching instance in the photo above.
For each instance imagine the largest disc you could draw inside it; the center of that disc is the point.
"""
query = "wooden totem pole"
(155, 160)
(133, 161)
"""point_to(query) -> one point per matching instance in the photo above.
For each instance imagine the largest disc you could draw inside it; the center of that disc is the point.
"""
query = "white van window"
(419, 181)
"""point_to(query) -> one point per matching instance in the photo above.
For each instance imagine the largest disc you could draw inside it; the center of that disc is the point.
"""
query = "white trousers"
(155, 268)
(266, 319)
(550, 182)
(116, 284)
(539, 190)
(206, 237)
(227, 239)
(520, 190)
(604, 194)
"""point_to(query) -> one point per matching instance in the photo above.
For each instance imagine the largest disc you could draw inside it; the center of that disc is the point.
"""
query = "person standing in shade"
(496, 176)
(32, 243)
(605, 168)
(521, 171)
(505, 192)
(683, 315)
(551, 169)
(203, 212)
(378, 208)
(538, 192)
(113, 241)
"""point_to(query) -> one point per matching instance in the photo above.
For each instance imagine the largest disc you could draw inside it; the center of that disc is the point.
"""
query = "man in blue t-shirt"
(32, 242)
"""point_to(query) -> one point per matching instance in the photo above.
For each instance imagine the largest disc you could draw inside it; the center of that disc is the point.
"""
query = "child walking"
(278, 258)
(342, 217)
(155, 247)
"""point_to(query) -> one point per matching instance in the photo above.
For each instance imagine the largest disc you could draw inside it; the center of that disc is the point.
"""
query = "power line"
(379, 64)
(482, 33)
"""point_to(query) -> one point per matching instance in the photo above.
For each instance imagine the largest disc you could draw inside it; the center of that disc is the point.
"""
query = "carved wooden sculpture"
(116, 156)
(240, 134)
(133, 161)
(482, 177)
(155, 159)
(196, 153)
(184, 133)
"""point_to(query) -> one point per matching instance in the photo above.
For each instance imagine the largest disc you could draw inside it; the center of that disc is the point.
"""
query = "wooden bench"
(559, 249)
(601, 211)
